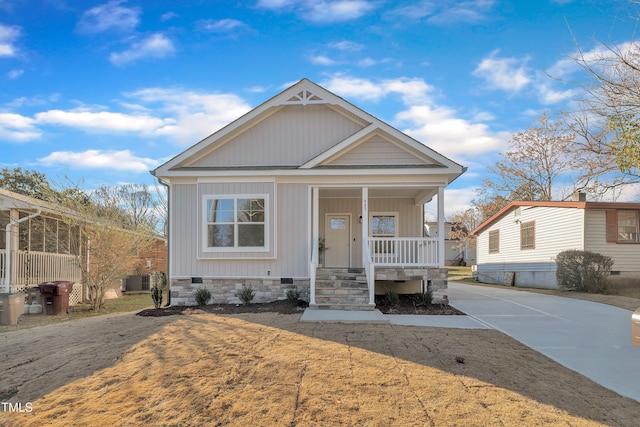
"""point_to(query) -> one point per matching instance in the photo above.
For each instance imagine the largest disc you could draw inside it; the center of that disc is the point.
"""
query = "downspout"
(7, 258)
(168, 229)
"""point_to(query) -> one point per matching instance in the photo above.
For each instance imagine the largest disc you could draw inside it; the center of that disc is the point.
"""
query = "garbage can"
(55, 297)
(11, 307)
(635, 327)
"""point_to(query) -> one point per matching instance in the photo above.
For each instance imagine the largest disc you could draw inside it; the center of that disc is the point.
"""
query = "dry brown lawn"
(269, 369)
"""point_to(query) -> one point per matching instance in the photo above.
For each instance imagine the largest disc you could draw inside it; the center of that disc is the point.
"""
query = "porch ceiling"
(390, 192)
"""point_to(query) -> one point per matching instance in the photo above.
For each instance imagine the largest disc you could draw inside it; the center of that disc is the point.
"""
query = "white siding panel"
(626, 257)
(184, 219)
(378, 151)
(556, 229)
(290, 137)
(287, 208)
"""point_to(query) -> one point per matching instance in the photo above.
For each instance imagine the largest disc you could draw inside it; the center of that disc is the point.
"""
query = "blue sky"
(107, 90)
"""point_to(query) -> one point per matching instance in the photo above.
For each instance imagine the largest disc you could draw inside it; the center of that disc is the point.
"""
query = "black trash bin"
(55, 297)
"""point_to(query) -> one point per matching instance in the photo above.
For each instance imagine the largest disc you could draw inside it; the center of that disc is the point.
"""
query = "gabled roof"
(357, 128)
(551, 204)
(12, 200)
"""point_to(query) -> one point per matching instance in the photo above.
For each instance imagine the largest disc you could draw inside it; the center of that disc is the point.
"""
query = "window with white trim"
(236, 222)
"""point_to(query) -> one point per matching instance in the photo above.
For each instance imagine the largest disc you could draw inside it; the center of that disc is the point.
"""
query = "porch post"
(365, 221)
(441, 227)
(315, 231)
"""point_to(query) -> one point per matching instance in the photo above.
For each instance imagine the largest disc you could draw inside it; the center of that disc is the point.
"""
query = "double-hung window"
(622, 226)
(236, 223)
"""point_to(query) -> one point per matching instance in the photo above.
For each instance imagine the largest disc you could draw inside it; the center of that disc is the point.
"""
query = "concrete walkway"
(590, 338)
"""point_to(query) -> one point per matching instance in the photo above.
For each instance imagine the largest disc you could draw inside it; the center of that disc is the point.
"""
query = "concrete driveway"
(590, 338)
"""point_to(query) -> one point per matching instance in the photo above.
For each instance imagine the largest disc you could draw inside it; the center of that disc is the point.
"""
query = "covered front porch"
(378, 230)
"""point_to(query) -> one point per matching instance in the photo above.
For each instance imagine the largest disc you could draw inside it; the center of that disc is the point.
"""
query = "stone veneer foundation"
(225, 291)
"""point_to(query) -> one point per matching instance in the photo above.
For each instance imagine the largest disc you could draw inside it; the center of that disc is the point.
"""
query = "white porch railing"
(30, 268)
(403, 251)
(370, 272)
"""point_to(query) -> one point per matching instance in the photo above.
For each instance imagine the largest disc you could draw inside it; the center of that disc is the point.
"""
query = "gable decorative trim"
(304, 97)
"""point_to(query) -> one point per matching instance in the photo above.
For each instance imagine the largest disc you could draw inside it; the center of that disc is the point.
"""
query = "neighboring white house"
(455, 251)
(249, 204)
(519, 244)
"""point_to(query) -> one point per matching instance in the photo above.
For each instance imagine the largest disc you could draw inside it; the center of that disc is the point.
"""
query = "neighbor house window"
(494, 241)
(622, 226)
(528, 235)
(236, 222)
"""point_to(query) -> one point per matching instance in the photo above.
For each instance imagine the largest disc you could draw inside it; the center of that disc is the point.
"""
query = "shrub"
(246, 294)
(293, 296)
(392, 297)
(424, 298)
(203, 296)
(583, 271)
(156, 296)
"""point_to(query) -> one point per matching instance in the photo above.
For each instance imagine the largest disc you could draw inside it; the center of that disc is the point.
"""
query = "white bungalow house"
(250, 204)
(518, 245)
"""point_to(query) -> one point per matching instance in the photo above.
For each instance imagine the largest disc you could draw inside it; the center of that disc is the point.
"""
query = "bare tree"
(608, 124)
(108, 236)
(536, 164)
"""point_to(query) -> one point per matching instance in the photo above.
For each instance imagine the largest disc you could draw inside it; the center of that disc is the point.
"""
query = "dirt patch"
(270, 369)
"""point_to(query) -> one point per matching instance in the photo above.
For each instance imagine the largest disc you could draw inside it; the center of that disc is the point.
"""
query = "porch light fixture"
(360, 219)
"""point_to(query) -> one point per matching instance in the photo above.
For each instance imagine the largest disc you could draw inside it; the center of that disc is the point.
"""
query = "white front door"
(338, 240)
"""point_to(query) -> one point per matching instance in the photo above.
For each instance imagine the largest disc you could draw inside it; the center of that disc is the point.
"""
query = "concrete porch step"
(342, 306)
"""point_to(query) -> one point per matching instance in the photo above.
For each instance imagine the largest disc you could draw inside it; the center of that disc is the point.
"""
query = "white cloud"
(440, 129)
(445, 12)
(8, 36)
(322, 60)
(109, 16)
(367, 62)
(322, 11)
(507, 74)
(156, 46)
(104, 121)
(17, 128)
(222, 26)
(98, 159)
(412, 91)
(14, 74)
(346, 46)
(196, 114)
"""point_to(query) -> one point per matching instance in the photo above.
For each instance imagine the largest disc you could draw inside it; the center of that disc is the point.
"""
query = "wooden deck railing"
(30, 268)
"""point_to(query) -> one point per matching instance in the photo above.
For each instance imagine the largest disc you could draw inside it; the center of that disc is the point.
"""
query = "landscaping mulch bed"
(406, 305)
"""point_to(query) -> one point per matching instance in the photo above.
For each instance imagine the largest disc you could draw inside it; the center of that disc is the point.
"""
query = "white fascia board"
(307, 172)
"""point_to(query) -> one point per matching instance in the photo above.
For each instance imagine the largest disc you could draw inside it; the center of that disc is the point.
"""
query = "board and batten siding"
(291, 137)
(378, 149)
(626, 256)
(409, 218)
(290, 247)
